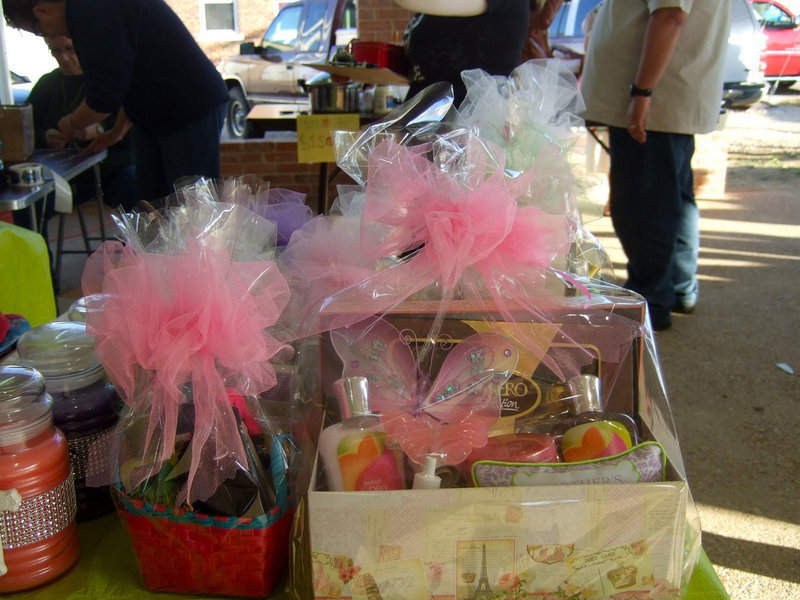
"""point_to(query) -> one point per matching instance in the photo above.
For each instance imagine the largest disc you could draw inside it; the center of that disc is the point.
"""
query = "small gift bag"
(465, 319)
(202, 456)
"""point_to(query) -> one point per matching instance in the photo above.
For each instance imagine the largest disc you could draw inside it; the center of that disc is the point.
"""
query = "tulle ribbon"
(185, 327)
(455, 227)
(464, 229)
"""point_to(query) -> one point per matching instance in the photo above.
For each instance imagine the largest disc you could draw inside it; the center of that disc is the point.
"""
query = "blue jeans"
(655, 216)
(162, 159)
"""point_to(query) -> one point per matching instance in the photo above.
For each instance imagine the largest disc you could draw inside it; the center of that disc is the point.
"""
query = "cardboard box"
(586, 541)
(16, 132)
(603, 337)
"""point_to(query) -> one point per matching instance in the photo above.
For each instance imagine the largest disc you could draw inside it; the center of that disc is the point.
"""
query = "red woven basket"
(186, 552)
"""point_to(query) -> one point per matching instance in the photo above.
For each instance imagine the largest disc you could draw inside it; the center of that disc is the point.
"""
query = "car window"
(348, 20)
(568, 21)
(313, 27)
(769, 14)
(282, 33)
(584, 8)
(560, 21)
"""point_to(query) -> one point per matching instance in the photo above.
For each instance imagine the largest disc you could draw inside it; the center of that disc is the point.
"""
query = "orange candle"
(37, 517)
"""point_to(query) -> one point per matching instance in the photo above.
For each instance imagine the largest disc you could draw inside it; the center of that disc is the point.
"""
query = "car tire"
(236, 118)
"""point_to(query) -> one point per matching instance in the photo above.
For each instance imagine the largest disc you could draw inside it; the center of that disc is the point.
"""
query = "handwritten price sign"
(314, 140)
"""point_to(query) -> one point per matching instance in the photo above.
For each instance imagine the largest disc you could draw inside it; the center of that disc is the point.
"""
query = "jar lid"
(353, 396)
(25, 408)
(57, 348)
(586, 394)
(16, 381)
(84, 305)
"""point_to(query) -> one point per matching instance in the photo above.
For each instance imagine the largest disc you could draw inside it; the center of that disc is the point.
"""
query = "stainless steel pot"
(328, 96)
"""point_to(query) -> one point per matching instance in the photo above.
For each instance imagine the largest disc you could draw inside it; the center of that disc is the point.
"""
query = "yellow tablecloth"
(107, 570)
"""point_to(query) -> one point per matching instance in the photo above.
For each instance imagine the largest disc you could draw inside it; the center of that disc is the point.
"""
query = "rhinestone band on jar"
(89, 454)
(39, 517)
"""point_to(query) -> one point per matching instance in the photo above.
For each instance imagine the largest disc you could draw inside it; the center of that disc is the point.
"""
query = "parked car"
(780, 20)
(744, 77)
(303, 32)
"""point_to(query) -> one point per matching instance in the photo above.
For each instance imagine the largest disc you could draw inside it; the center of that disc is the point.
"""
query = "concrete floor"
(734, 403)
(726, 367)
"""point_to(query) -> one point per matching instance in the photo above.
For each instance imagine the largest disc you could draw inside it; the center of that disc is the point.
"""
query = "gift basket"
(495, 422)
(202, 458)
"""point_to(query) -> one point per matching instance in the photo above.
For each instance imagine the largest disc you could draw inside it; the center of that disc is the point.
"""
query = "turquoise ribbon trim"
(193, 518)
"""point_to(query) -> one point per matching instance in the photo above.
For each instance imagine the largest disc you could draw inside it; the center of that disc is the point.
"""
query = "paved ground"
(735, 406)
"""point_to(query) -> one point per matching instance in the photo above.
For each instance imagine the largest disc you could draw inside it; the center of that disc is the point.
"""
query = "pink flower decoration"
(509, 581)
(435, 571)
(347, 573)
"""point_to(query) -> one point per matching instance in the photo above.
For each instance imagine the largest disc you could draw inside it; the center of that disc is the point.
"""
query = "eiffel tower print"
(483, 591)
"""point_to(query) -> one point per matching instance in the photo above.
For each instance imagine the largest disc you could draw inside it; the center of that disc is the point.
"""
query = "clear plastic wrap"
(202, 459)
(456, 295)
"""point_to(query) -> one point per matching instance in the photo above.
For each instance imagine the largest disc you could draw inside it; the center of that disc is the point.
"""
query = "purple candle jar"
(85, 406)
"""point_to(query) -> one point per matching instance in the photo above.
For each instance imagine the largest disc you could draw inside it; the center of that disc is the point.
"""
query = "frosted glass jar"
(85, 305)
(85, 405)
(37, 496)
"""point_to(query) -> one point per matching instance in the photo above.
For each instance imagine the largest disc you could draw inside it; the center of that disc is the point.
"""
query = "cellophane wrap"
(188, 296)
(455, 268)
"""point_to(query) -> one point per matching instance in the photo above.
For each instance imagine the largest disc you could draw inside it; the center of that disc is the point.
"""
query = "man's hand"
(66, 128)
(637, 118)
(102, 141)
(55, 139)
(91, 132)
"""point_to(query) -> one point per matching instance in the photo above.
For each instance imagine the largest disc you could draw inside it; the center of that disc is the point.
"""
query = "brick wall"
(277, 163)
(381, 20)
(253, 18)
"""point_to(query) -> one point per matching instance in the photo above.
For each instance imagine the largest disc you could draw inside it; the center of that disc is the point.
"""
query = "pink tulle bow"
(193, 318)
(456, 226)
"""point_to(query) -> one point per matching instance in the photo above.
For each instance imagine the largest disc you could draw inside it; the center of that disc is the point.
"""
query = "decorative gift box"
(460, 305)
(552, 542)
(535, 537)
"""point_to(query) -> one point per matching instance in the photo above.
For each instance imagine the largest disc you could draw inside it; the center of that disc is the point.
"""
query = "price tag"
(314, 139)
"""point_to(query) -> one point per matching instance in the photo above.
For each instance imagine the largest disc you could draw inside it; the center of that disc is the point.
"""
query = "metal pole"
(5, 77)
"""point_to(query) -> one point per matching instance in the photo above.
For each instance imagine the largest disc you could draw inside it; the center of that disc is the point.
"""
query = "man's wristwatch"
(637, 91)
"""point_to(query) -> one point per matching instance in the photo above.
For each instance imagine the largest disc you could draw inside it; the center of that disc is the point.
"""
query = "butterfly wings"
(448, 417)
(381, 354)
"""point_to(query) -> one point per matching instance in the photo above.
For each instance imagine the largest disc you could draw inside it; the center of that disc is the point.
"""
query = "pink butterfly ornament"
(448, 415)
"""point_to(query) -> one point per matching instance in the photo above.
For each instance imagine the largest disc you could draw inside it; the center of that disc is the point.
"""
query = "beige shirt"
(688, 97)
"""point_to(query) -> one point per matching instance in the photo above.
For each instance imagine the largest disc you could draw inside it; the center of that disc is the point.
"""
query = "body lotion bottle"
(354, 452)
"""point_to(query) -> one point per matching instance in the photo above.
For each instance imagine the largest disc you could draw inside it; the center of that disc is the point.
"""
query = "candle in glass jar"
(85, 405)
(37, 519)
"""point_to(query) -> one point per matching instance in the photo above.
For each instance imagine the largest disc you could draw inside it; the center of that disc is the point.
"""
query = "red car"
(780, 20)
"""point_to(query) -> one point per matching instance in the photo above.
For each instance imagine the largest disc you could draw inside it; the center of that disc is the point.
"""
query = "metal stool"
(87, 238)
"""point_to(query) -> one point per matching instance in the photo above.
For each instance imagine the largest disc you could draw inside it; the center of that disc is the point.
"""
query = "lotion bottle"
(354, 452)
(427, 479)
(593, 432)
